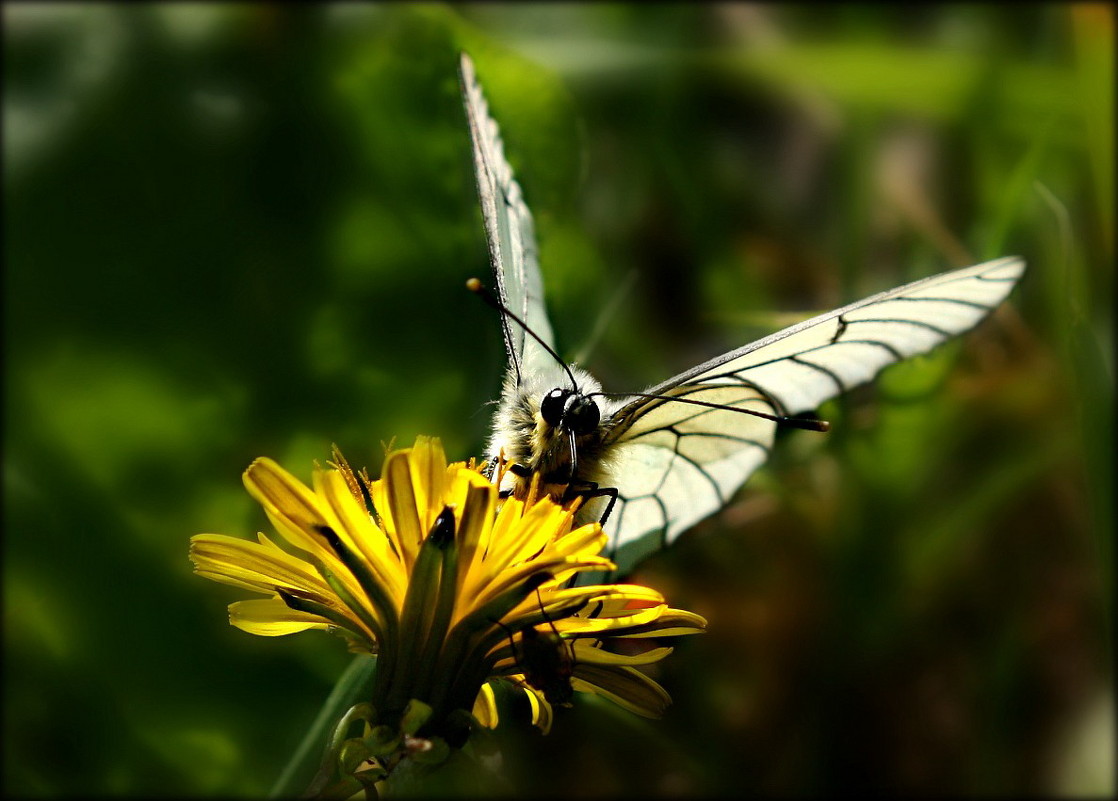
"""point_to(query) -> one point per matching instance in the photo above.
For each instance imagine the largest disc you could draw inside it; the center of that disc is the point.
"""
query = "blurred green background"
(238, 230)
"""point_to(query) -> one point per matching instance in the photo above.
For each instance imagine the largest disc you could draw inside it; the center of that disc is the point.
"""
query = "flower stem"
(354, 685)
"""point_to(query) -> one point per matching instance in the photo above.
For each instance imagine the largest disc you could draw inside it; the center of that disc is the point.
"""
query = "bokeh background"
(237, 230)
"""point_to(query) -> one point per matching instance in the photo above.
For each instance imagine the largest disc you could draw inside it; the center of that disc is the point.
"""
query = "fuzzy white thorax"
(525, 438)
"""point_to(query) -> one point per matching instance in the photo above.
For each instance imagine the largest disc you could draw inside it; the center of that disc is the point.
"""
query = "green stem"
(354, 685)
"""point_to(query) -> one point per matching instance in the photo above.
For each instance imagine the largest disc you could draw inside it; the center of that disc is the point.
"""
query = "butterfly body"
(653, 463)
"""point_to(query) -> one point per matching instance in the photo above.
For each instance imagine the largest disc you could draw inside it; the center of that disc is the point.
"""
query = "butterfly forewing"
(509, 232)
(812, 361)
(697, 457)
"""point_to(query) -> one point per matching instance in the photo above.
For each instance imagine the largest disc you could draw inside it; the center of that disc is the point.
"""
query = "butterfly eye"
(583, 416)
(553, 405)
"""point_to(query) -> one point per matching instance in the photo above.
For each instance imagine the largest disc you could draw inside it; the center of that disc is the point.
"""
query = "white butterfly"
(661, 460)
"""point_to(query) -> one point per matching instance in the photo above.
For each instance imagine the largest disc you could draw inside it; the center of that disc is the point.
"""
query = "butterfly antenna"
(791, 422)
(475, 286)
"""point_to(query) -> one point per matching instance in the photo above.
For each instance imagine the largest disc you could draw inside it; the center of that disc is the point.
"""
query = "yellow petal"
(587, 654)
(536, 529)
(541, 709)
(673, 623)
(353, 526)
(270, 617)
(626, 687)
(290, 505)
(589, 538)
(257, 566)
(401, 508)
(624, 599)
(427, 462)
(475, 499)
(514, 576)
(297, 513)
(485, 707)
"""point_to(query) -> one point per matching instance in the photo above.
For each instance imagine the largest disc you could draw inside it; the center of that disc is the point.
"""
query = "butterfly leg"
(518, 470)
(592, 490)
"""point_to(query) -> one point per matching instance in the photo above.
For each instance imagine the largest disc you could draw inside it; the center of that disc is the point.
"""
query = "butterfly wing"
(510, 234)
(676, 463)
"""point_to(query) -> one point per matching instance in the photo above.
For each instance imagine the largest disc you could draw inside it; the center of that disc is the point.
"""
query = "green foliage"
(244, 230)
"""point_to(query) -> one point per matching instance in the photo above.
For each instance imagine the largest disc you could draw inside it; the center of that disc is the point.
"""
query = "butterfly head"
(570, 410)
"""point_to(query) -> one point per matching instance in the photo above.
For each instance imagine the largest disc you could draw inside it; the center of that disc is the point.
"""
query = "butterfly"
(653, 463)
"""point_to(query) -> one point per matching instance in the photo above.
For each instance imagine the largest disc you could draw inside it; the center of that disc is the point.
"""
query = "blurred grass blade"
(1013, 198)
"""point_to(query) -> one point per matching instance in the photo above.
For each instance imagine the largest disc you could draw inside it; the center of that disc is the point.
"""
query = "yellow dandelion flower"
(451, 587)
